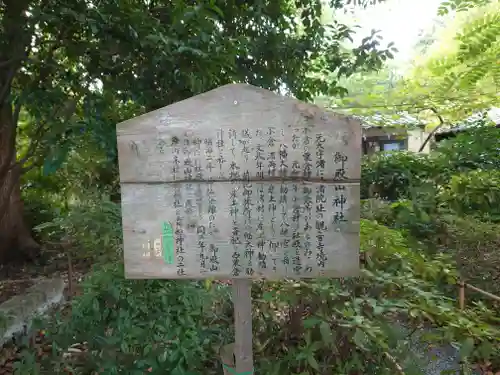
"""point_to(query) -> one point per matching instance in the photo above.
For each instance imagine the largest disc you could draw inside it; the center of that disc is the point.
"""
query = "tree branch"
(431, 134)
(10, 162)
(10, 61)
(17, 111)
(18, 42)
(67, 111)
(35, 141)
(5, 89)
(33, 146)
(7, 115)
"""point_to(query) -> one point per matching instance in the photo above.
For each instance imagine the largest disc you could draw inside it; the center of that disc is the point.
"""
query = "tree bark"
(16, 241)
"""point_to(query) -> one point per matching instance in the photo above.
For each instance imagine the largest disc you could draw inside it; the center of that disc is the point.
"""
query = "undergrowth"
(350, 326)
(435, 224)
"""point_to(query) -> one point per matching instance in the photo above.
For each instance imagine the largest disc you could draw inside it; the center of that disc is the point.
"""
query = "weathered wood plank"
(271, 227)
(237, 129)
(242, 300)
(240, 183)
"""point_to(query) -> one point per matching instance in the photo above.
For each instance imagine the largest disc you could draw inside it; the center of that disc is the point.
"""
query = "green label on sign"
(233, 371)
(167, 240)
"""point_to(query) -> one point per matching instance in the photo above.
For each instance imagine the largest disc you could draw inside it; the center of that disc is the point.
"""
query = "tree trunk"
(16, 241)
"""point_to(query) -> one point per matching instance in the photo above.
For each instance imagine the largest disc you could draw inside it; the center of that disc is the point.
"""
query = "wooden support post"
(243, 351)
(461, 295)
(227, 358)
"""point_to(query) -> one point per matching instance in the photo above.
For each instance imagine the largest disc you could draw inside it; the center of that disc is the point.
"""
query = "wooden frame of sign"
(240, 183)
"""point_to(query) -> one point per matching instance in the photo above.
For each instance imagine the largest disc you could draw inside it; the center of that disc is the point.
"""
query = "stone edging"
(17, 313)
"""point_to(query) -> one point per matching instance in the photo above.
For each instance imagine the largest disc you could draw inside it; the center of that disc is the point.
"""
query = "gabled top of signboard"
(238, 127)
(234, 103)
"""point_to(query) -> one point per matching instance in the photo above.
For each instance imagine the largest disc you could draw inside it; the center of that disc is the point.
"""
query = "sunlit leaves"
(457, 78)
(459, 5)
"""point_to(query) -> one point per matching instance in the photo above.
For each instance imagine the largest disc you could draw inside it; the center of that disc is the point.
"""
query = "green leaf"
(312, 321)
(124, 347)
(217, 10)
(466, 348)
(312, 362)
(359, 339)
(163, 356)
(54, 161)
(268, 296)
(326, 333)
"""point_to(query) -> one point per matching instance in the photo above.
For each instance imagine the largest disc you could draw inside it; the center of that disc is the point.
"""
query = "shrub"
(471, 242)
(137, 327)
(476, 149)
(475, 193)
(375, 209)
(39, 208)
(41, 199)
(395, 175)
(418, 217)
(93, 224)
(318, 326)
(475, 246)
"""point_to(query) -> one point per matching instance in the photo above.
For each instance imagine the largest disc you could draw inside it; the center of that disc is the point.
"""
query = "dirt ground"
(15, 278)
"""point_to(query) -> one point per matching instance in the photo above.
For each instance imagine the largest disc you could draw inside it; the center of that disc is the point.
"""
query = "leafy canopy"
(76, 66)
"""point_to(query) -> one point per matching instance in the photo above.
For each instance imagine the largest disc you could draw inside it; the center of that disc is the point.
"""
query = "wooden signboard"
(240, 183)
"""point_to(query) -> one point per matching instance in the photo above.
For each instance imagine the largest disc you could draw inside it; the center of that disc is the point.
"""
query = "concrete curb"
(17, 313)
